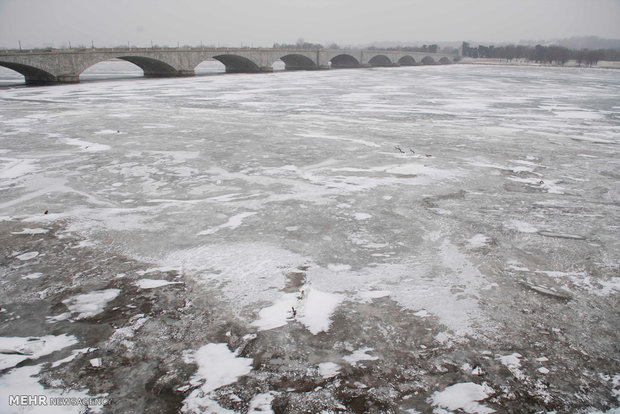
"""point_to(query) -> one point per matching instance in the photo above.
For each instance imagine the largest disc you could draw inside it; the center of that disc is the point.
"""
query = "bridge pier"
(288, 67)
(177, 74)
(263, 69)
(56, 80)
(68, 78)
(187, 73)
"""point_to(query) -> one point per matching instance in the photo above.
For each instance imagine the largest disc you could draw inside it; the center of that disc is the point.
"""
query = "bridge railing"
(194, 49)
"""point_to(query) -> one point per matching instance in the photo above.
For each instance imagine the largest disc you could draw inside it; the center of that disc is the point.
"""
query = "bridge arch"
(209, 66)
(297, 62)
(110, 69)
(407, 61)
(237, 64)
(151, 67)
(381, 61)
(32, 75)
(428, 60)
(344, 61)
(444, 61)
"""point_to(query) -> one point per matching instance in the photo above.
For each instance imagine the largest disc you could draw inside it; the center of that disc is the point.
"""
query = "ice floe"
(513, 363)
(14, 350)
(31, 231)
(154, 283)
(35, 275)
(90, 304)
(561, 235)
(27, 256)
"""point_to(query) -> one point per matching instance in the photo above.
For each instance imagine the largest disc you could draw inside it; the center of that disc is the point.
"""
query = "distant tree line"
(300, 44)
(423, 48)
(557, 55)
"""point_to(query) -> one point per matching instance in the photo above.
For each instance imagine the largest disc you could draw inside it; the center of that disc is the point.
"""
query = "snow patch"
(23, 381)
(261, 403)
(338, 267)
(232, 223)
(368, 295)
(86, 146)
(107, 132)
(521, 226)
(15, 168)
(313, 308)
(318, 309)
(478, 241)
(464, 396)
(217, 366)
(277, 314)
(423, 313)
(71, 357)
(360, 355)
(420, 170)
(335, 138)
(328, 369)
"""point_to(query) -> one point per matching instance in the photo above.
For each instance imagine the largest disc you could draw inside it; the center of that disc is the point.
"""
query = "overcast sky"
(39, 23)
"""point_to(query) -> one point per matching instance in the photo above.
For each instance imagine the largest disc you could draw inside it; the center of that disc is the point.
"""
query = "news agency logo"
(27, 400)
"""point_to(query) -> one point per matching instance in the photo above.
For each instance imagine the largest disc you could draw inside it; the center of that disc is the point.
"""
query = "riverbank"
(603, 64)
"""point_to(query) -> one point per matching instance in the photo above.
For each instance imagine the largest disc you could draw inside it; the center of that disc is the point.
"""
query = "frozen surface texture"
(423, 239)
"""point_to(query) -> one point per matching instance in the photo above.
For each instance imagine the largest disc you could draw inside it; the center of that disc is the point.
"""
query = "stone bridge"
(65, 65)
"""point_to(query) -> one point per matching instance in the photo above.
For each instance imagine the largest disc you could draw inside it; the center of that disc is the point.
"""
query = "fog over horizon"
(41, 23)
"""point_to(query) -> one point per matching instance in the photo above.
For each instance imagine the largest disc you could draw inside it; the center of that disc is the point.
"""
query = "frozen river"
(384, 240)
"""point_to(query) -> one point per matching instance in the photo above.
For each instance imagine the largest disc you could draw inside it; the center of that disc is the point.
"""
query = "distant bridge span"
(66, 65)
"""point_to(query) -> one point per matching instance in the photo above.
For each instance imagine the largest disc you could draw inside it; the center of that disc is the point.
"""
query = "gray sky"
(262, 22)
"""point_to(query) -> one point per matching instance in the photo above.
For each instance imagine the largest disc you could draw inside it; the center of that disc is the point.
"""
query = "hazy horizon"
(39, 23)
